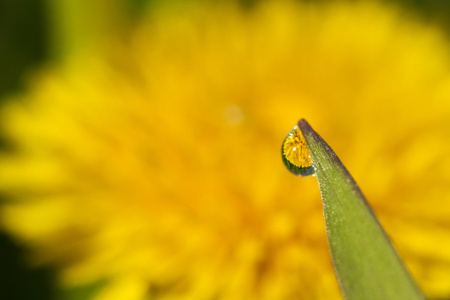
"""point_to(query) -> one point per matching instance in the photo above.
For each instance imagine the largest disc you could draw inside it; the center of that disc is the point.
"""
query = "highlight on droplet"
(295, 153)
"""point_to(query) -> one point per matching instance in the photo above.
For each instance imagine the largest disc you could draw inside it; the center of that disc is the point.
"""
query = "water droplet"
(295, 153)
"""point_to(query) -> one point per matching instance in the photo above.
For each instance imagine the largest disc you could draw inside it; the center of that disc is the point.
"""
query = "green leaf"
(81, 292)
(82, 26)
(365, 263)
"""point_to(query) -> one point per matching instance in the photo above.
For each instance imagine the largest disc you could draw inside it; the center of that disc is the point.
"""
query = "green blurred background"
(27, 37)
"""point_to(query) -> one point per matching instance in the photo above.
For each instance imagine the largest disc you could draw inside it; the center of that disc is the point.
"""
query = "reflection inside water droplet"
(295, 153)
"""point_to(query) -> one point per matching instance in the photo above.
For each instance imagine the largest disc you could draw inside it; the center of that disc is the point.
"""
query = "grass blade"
(365, 263)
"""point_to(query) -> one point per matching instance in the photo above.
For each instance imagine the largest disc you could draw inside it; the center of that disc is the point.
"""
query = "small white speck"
(233, 114)
(294, 149)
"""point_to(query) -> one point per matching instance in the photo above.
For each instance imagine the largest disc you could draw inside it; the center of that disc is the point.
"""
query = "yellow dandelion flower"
(156, 164)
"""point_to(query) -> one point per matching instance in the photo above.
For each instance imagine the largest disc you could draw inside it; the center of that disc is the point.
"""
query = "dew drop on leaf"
(295, 153)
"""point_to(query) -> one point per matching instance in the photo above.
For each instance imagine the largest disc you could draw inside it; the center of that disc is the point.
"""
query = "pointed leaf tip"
(366, 265)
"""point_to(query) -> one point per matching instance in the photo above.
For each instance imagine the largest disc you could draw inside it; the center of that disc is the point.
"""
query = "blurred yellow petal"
(123, 288)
